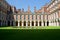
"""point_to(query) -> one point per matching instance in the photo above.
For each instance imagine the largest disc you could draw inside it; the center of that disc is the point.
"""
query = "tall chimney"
(22, 9)
(35, 9)
(19, 10)
(28, 8)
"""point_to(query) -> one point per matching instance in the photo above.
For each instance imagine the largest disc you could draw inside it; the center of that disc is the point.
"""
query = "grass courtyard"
(40, 33)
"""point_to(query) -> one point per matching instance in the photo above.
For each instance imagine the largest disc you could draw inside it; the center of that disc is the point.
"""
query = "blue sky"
(19, 4)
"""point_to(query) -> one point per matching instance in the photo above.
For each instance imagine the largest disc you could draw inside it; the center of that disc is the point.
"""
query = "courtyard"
(10, 33)
(39, 20)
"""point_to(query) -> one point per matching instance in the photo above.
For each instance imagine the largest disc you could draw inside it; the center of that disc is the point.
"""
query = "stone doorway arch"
(16, 23)
(24, 23)
(36, 23)
(28, 23)
(20, 23)
(32, 23)
(44, 23)
(40, 23)
(8, 23)
(47, 23)
(12, 23)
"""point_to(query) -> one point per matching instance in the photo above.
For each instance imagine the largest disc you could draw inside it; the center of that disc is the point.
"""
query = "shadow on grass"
(4, 26)
(30, 34)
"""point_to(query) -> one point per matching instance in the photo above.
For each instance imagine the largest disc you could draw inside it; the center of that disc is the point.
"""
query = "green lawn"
(11, 33)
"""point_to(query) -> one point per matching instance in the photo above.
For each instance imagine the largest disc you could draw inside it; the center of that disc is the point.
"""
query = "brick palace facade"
(48, 15)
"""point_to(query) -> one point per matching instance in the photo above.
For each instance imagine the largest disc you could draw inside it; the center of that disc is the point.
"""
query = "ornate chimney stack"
(28, 8)
(19, 10)
(35, 9)
(22, 9)
(13, 8)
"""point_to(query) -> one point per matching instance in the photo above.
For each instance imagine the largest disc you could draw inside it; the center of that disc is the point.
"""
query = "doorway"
(16, 23)
(32, 23)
